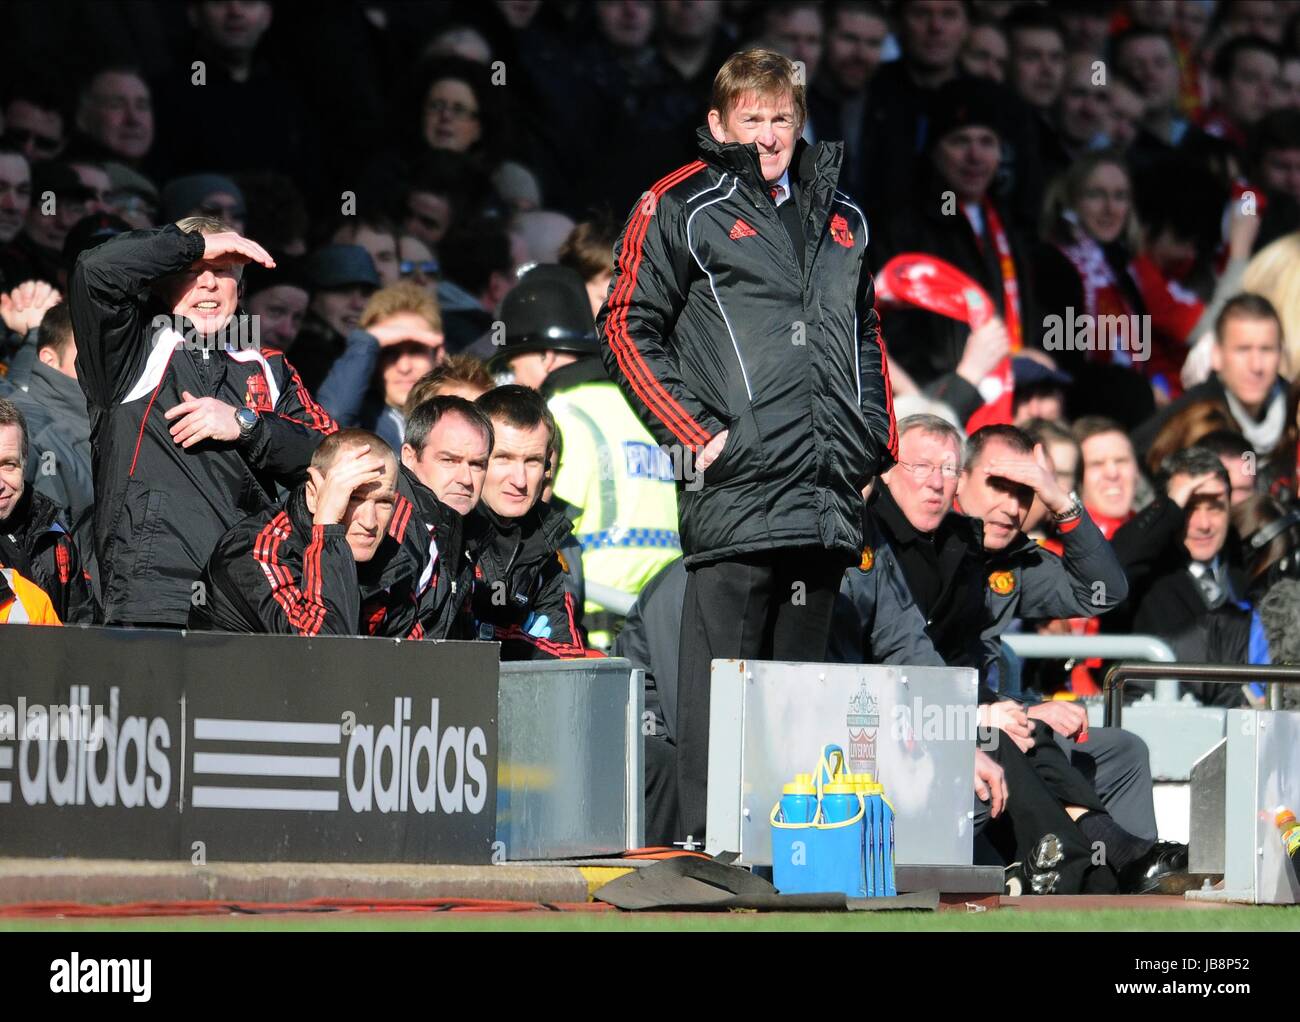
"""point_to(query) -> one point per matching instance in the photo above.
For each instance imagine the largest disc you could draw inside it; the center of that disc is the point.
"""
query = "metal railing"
(1218, 674)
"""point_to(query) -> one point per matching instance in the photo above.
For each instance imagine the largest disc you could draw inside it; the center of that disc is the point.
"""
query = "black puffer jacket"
(711, 324)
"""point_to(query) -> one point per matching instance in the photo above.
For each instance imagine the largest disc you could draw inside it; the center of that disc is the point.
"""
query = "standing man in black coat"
(740, 324)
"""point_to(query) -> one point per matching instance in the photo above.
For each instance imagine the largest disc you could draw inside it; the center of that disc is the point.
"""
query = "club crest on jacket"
(840, 231)
(1002, 582)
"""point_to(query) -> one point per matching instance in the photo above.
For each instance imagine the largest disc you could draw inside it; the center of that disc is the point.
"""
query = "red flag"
(916, 280)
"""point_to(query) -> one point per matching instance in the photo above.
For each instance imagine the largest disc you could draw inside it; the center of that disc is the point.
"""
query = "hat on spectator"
(1030, 372)
(182, 195)
(126, 179)
(287, 273)
(340, 266)
(967, 103)
(517, 185)
(548, 310)
(88, 232)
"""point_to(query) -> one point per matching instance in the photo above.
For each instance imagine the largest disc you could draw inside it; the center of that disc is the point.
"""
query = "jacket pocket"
(737, 452)
(134, 536)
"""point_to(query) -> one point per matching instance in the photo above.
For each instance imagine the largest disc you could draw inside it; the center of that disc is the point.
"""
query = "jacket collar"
(60, 393)
(816, 168)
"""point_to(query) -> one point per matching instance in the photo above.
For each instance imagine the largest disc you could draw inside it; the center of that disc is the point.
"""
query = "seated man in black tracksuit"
(322, 562)
(519, 597)
(445, 454)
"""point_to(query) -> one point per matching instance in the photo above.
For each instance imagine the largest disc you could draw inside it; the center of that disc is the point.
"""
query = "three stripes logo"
(266, 780)
(740, 229)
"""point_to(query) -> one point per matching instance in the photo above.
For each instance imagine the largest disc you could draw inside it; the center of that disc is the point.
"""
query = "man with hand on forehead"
(322, 562)
(192, 428)
(1004, 471)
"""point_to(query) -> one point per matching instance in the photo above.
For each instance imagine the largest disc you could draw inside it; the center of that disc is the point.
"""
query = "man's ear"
(717, 128)
(408, 457)
(1216, 355)
(314, 482)
(49, 357)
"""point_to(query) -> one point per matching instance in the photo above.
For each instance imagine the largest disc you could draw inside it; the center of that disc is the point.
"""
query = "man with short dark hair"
(1242, 81)
(114, 117)
(33, 115)
(322, 561)
(34, 539)
(15, 196)
(1246, 358)
(1201, 572)
(192, 428)
(519, 597)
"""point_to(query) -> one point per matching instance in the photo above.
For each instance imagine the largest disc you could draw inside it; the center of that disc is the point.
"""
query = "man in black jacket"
(444, 462)
(33, 537)
(192, 425)
(324, 560)
(740, 325)
(519, 597)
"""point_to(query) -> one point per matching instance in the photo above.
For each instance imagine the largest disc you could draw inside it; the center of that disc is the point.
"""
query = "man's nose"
(207, 280)
(367, 515)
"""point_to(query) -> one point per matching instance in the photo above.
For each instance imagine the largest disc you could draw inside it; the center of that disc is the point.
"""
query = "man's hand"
(202, 418)
(711, 450)
(1037, 473)
(990, 783)
(985, 348)
(401, 327)
(229, 247)
(1181, 487)
(25, 306)
(1009, 717)
(351, 470)
(1065, 718)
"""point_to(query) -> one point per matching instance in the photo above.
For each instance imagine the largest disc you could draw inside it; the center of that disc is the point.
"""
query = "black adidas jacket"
(433, 535)
(519, 596)
(710, 324)
(160, 509)
(278, 573)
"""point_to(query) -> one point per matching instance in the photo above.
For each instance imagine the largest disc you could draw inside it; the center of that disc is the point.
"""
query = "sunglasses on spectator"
(458, 111)
(16, 138)
(429, 268)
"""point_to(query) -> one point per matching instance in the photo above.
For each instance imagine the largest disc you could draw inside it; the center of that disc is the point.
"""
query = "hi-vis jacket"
(618, 475)
(23, 602)
(159, 508)
(711, 324)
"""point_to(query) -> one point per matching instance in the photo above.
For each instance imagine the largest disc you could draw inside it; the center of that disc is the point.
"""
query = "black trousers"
(660, 791)
(775, 605)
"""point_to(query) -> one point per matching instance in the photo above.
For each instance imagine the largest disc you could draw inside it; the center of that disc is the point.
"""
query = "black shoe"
(1163, 870)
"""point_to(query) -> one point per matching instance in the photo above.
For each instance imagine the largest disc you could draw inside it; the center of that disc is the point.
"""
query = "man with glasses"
(77, 190)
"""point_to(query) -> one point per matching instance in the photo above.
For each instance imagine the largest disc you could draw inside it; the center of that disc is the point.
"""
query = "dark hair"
(1026, 18)
(1282, 463)
(1136, 32)
(334, 444)
(36, 84)
(472, 252)
(428, 413)
(1246, 306)
(56, 329)
(870, 8)
(520, 407)
(1089, 426)
(109, 68)
(276, 212)
(1012, 436)
(1226, 443)
(1193, 461)
(11, 415)
(1046, 431)
(1278, 129)
(1225, 57)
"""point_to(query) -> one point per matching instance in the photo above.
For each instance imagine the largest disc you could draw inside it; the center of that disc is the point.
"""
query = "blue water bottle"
(839, 800)
(799, 800)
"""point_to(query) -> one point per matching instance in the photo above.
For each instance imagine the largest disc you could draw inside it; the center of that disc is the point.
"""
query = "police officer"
(619, 483)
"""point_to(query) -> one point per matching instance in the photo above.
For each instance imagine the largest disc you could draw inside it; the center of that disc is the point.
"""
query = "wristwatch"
(1074, 511)
(248, 420)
